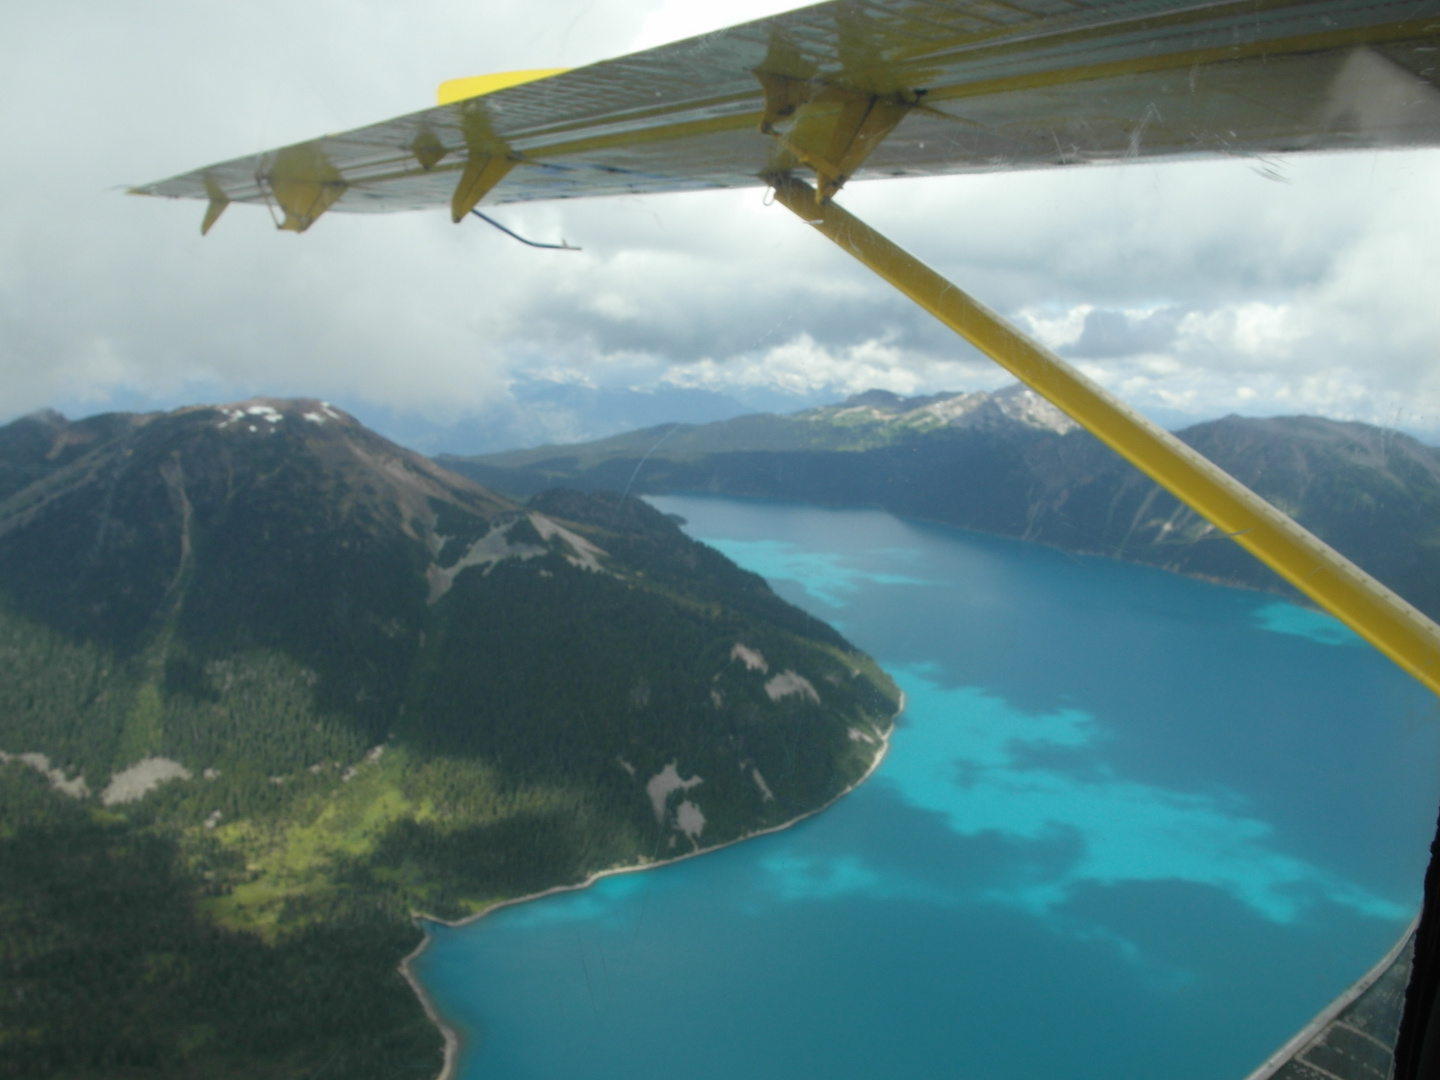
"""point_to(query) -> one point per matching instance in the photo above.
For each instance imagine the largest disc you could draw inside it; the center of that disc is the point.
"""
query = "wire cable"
(562, 246)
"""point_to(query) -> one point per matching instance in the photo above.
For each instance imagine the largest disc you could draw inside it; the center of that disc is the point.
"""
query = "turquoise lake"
(1130, 825)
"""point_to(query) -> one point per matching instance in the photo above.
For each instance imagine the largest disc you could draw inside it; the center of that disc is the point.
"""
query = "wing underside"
(870, 88)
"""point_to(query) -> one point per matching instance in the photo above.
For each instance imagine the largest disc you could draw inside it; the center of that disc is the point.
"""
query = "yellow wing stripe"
(453, 90)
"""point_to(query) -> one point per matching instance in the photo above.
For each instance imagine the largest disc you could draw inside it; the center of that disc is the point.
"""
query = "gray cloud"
(1312, 295)
(1125, 333)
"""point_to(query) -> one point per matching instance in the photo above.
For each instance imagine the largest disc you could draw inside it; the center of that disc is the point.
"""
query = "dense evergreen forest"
(271, 685)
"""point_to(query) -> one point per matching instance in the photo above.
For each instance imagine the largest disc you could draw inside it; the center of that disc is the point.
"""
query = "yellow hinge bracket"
(218, 202)
(831, 129)
(482, 173)
(490, 159)
(428, 149)
(305, 184)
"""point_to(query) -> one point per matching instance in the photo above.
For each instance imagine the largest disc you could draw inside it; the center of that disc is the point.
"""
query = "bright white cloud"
(1055, 329)
(802, 367)
(677, 19)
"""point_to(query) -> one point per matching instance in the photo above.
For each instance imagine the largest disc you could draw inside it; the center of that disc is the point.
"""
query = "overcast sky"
(1287, 285)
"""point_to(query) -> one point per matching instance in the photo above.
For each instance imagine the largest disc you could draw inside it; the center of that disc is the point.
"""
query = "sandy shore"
(452, 1037)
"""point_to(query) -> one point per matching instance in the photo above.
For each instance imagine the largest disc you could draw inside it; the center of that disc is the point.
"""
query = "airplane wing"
(879, 88)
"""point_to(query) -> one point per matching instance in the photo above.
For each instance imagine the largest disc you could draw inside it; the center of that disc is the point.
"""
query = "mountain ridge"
(286, 682)
(1373, 494)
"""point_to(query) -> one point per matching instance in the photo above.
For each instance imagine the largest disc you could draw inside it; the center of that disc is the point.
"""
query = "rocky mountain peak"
(964, 409)
(219, 510)
(1019, 402)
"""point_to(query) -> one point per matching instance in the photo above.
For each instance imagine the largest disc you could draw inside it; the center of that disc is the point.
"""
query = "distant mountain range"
(1008, 463)
(538, 410)
(272, 683)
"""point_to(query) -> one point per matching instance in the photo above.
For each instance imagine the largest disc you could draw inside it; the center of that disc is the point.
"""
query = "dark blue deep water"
(1131, 825)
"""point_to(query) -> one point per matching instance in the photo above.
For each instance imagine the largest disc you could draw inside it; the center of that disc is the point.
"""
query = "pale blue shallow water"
(1131, 825)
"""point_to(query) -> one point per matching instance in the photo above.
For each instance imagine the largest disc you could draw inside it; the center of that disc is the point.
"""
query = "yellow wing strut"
(1335, 583)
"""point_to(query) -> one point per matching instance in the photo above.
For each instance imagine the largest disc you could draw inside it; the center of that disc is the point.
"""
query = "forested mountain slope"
(1007, 463)
(272, 683)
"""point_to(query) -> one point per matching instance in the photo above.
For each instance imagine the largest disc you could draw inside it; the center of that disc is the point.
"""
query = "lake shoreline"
(1048, 779)
(1279, 589)
(452, 1037)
